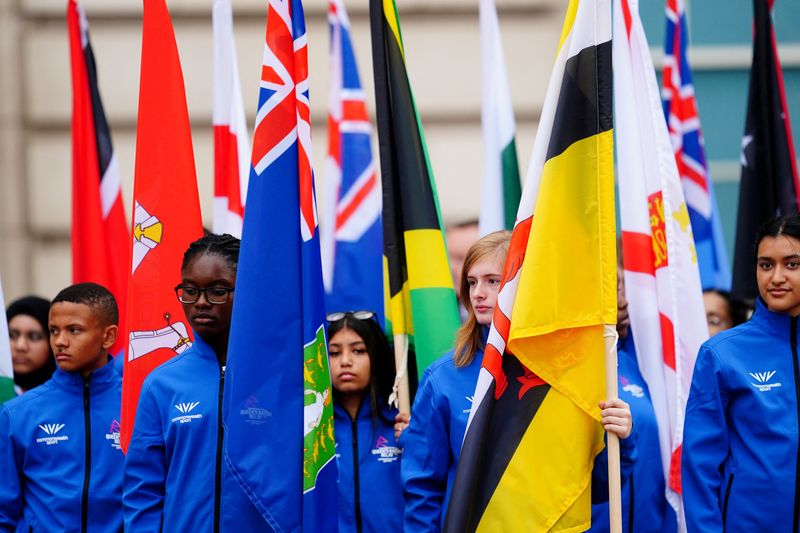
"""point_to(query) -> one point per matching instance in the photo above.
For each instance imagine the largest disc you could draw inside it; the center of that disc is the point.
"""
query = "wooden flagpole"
(401, 365)
(612, 393)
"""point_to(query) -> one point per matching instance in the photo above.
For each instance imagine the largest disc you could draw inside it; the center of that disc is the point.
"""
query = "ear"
(110, 336)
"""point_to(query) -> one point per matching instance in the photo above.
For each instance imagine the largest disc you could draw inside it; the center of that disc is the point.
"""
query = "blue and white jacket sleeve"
(145, 468)
(426, 460)
(705, 445)
(628, 454)
(10, 487)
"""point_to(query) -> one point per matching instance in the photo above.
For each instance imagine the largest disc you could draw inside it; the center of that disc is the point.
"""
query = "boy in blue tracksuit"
(174, 466)
(60, 459)
(741, 456)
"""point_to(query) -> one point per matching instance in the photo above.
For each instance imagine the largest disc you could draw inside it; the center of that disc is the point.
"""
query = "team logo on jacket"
(113, 435)
(763, 379)
(471, 400)
(631, 388)
(386, 453)
(51, 430)
(186, 415)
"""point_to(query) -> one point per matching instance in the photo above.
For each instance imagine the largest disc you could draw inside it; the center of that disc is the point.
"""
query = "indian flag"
(6, 368)
(501, 188)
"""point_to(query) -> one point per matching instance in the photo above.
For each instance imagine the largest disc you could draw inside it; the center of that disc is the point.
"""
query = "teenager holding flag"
(740, 468)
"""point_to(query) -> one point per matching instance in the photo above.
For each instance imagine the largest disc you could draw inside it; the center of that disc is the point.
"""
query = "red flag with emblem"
(166, 211)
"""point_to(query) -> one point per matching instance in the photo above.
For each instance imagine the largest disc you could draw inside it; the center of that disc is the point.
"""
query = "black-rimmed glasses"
(358, 315)
(188, 294)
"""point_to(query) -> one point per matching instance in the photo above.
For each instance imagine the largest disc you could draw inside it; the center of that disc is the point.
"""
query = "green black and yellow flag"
(534, 432)
(420, 300)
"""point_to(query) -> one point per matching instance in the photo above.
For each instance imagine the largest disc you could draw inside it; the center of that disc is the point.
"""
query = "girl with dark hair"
(174, 466)
(741, 445)
(28, 331)
(362, 375)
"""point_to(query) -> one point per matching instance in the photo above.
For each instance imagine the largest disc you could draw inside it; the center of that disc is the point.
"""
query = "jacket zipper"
(630, 505)
(218, 468)
(87, 427)
(793, 343)
(725, 502)
(356, 480)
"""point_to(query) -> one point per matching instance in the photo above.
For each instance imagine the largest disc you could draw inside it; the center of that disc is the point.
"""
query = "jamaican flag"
(420, 302)
(534, 431)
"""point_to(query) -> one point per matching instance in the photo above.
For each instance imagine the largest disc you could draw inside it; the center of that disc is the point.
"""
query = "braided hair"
(225, 246)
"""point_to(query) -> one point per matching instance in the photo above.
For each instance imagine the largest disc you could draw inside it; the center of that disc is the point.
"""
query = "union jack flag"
(351, 230)
(683, 122)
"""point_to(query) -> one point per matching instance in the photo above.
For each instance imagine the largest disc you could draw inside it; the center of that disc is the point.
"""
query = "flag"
(683, 122)
(283, 472)
(662, 279)
(421, 302)
(100, 236)
(6, 366)
(534, 431)
(351, 229)
(501, 188)
(166, 212)
(769, 183)
(231, 143)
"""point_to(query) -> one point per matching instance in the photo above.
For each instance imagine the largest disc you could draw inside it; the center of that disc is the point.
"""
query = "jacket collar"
(99, 380)
(203, 349)
(777, 323)
(365, 409)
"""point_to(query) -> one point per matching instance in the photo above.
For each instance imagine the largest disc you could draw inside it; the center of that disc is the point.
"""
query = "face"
(350, 365)
(778, 273)
(210, 321)
(623, 319)
(484, 282)
(79, 339)
(459, 240)
(718, 313)
(30, 348)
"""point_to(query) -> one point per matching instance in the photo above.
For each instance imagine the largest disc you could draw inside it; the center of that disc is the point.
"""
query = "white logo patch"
(186, 408)
(51, 430)
(471, 400)
(635, 390)
(763, 378)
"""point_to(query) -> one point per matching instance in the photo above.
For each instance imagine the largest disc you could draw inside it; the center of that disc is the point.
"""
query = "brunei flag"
(421, 303)
(527, 458)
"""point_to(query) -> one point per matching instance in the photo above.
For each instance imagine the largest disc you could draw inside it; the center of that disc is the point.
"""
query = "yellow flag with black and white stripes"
(420, 300)
(534, 431)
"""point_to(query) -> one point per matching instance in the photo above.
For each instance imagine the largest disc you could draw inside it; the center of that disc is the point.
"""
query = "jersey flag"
(421, 302)
(351, 229)
(661, 272)
(100, 237)
(278, 405)
(683, 121)
(534, 430)
(231, 143)
(166, 212)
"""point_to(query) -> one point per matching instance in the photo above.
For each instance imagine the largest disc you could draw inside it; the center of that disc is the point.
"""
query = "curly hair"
(225, 246)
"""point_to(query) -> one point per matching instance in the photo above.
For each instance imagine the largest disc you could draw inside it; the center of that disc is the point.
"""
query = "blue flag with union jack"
(277, 407)
(352, 243)
(683, 121)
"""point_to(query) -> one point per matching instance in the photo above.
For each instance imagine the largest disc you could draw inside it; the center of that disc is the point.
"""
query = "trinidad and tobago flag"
(100, 238)
(769, 185)
(282, 472)
(351, 231)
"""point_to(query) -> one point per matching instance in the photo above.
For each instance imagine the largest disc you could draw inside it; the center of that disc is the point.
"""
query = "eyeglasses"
(358, 315)
(188, 294)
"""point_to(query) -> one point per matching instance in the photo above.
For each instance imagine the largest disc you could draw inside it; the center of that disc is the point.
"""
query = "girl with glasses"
(362, 375)
(28, 331)
(740, 467)
(173, 469)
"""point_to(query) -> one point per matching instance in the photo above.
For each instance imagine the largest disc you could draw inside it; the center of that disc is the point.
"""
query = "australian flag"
(351, 231)
(278, 413)
(683, 121)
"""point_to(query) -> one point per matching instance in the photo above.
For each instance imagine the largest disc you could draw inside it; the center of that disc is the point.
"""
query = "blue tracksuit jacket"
(644, 506)
(172, 469)
(740, 443)
(60, 459)
(370, 496)
(432, 443)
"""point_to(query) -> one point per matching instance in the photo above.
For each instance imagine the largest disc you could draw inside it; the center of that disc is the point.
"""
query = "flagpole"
(612, 392)
(401, 365)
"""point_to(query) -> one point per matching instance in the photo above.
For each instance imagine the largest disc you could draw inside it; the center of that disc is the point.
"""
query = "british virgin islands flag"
(277, 408)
